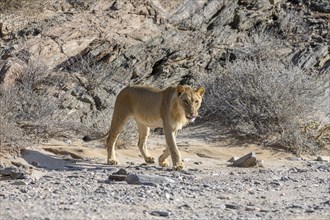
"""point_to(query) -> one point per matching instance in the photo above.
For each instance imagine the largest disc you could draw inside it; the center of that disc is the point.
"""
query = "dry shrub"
(261, 45)
(94, 76)
(263, 99)
(10, 131)
(26, 107)
(27, 7)
(293, 27)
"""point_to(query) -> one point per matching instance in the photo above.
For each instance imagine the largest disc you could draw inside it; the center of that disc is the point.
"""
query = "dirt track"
(286, 187)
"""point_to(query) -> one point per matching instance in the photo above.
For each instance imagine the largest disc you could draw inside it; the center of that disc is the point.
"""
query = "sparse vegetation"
(96, 77)
(264, 99)
(31, 107)
(92, 74)
(31, 6)
(25, 106)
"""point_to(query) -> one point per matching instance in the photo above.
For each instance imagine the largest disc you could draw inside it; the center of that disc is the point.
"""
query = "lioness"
(170, 108)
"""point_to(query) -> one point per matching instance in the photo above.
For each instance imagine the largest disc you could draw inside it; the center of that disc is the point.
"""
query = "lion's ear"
(200, 91)
(179, 90)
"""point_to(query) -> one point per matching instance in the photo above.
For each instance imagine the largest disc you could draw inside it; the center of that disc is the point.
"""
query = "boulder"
(248, 160)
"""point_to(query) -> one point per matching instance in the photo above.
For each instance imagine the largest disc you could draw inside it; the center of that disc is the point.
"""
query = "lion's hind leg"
(119, 119)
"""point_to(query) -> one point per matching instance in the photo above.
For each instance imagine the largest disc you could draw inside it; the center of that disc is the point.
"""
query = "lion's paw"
(113, 162)
(179, 166)
(149, 160)
(164, 163)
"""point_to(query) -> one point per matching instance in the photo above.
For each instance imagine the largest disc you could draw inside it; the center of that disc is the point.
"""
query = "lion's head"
(190, 100)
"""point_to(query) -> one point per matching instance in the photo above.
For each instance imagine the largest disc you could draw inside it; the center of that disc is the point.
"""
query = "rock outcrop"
(157, 42)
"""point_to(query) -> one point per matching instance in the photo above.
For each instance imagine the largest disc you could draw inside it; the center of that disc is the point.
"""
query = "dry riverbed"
(72, 182)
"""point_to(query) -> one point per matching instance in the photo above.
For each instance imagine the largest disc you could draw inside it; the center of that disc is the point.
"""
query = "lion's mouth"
(191, 118)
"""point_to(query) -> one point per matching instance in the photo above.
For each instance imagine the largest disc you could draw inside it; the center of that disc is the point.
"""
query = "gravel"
(221, 192)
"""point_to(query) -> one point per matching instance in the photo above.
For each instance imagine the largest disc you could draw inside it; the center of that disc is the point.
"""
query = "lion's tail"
(88, 138)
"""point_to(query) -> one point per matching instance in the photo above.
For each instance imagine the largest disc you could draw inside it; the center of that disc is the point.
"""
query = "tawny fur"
(170, 108)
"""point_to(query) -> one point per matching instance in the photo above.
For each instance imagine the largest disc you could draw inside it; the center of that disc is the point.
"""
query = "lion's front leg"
(163, 161)
(142, 144)
(173, 148)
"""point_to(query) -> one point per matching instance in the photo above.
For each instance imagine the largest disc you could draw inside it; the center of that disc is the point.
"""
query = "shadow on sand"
(50, 161)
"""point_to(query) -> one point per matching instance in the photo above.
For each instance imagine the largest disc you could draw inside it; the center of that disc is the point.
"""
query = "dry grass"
(25, 107)
(96, 76)
(266, 100)
(32, 108)
(93, 74)
(27, 7)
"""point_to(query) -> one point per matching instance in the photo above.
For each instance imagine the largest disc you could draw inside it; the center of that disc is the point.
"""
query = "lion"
(170, 109)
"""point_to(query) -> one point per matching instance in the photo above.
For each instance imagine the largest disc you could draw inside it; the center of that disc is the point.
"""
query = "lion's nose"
(192, 115)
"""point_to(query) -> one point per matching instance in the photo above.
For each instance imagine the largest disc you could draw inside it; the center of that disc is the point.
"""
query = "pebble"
(117, 177)
(20, 183)
(8, 170)
(248, 160)
(160, 213)
(185, 206)
(250, 208)
(144, 179)
(296, 206)
(327, 202)
(18, 175)
(323, 168)
(219, 206)
(232, 206)
(121, 171)
(276, 183)
(285, 178)
(191, 170)
(294, 158)
(323, 158)
(23, 190)
(297, 170)
(224, 197)
(35, 163)
(2, 165)
(232, 159)
(317, 207)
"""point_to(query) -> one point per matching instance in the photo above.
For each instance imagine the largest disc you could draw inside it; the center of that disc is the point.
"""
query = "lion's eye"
(196, 101)
(186, 102)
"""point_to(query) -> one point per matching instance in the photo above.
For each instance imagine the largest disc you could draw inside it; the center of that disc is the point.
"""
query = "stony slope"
(156, 40)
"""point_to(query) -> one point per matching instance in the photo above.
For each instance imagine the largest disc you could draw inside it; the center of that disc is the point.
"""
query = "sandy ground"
(69, 180)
